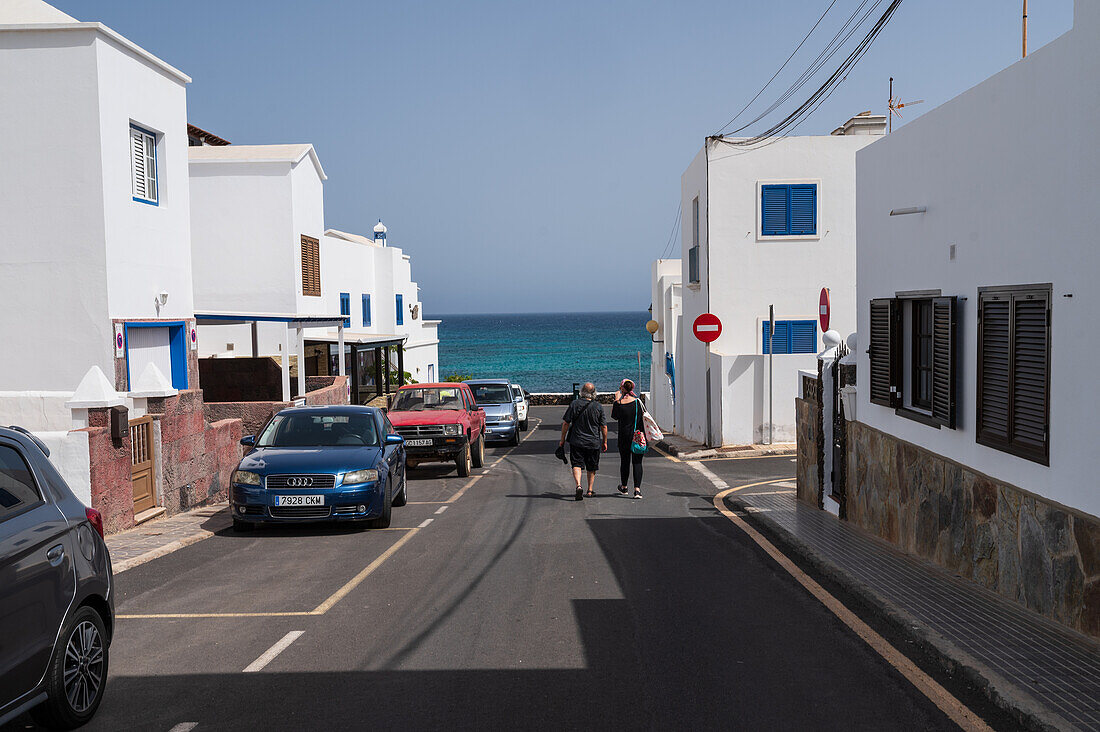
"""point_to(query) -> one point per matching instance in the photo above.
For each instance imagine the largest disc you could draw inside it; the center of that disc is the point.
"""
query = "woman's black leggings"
(626, 459)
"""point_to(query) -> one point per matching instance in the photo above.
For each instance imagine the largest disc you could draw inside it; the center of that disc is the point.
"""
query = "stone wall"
(551, 400)
(809, 451)
(334, 391)
(109, 472)
(253, 415)
(1040, 554)
(196, 458)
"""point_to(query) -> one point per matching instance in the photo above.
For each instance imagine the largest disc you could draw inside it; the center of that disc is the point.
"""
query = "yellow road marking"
(959, 713)
(341, 593)
(665, 454)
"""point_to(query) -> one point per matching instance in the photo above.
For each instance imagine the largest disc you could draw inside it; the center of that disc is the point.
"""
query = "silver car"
(56, 603)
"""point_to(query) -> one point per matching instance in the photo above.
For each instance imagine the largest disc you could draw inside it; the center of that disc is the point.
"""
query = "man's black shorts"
(585, 457)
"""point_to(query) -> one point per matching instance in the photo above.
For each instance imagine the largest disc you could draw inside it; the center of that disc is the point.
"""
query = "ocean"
(547, 352)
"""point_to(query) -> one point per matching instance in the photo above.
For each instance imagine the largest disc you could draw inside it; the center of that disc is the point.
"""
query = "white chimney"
(863, 124)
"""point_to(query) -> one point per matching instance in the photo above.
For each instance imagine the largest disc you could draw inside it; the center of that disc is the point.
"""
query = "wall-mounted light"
(160, 300)
(907, 211)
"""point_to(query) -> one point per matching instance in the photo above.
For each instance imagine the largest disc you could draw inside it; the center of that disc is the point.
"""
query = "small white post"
(300, 349)
(286, 364)
(342, 366)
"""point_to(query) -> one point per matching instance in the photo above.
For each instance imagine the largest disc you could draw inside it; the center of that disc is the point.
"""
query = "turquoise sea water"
(547, 352)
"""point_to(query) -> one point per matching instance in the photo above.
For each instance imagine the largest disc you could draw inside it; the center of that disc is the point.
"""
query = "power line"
(672, 234)
(825, 90)
(800, 45)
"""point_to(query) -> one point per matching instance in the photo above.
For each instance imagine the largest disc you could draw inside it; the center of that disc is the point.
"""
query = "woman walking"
(627, 411)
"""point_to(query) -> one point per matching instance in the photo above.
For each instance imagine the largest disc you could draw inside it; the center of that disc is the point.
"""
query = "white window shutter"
(137, 163)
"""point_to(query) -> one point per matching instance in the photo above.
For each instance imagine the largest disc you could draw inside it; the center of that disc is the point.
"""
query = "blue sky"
(528, 156)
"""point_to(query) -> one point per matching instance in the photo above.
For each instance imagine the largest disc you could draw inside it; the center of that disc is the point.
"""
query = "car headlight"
(245, 477)
(451, 429)
(360, 476)
(508, 418)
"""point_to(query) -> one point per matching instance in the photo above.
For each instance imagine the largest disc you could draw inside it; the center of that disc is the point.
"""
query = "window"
(345, 308)
(791, 336)
(912, 357)
(17, 487)
(366, 311)
(921, 354)
(143, 165)
(311, 266)
(693, 252)
(400, 309)
(1014, 370)
(788, 210)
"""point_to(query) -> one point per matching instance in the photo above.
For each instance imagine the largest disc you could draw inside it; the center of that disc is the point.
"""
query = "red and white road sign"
(824, 308)
(707, 327)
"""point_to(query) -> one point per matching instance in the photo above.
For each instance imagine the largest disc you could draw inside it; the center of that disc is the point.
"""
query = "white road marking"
(441, 509)
(184, 727)
(709, 474)
(275, 650)
(425, 522)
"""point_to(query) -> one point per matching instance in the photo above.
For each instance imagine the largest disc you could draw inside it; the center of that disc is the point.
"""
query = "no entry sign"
(707, 327)
(823, 309)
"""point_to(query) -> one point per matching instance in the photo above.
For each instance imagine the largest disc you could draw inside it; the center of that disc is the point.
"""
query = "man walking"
(585, 427)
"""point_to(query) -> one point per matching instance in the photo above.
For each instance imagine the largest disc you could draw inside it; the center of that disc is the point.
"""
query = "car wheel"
(515, 437)
(77, 673)
(523, 425)
(463, 462)
(478, 456)
(403, 496)
(383, 521)
(242, 527)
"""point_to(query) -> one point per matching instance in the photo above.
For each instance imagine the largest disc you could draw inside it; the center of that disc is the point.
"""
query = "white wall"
(1007, 171)
(69, 454)
(36, 410)
(743, 272)
(148, 247)
(665, 298)
(53, 276)
(742, 384)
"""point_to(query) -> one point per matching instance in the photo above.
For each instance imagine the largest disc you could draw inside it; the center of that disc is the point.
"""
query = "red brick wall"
(335, 394)
(112, 494)
(251, 414)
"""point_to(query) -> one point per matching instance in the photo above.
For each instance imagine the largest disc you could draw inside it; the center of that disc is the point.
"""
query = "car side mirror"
(249, 440)
(395, 440)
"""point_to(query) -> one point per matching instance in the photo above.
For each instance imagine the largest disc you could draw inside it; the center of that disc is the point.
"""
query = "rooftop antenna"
(1025, 28)
(895, 104)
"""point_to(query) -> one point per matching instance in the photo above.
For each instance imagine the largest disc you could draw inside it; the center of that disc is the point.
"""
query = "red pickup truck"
(440, 423)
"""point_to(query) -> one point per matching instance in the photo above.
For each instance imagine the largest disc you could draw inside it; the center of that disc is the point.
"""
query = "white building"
(262, 252)
(766, 226)
(95, 253)
(984, 252)
(666, 311)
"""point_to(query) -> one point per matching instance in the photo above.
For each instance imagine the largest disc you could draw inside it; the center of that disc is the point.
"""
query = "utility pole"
(1025, 28)
(890, 105)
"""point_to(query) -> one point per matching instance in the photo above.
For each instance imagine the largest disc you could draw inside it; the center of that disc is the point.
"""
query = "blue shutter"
(804, 336)
(803, 210)
(345, 308)
(773, 201)
(782, 338)
(366, 311)
(400, 309)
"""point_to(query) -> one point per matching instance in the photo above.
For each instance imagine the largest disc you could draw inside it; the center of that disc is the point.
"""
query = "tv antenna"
(896, 105)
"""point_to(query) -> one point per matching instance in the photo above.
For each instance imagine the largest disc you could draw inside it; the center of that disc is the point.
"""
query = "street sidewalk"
(685, 449)
(165, 535)
(1044, 674)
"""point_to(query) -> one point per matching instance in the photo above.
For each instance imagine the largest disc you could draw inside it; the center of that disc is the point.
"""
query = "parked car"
(501, 415)
(440, 423)
(334, 463)
(523, 406)
(56, 602)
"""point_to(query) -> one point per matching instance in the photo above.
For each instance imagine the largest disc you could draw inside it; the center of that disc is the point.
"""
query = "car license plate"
(299, 500)
(419, 443)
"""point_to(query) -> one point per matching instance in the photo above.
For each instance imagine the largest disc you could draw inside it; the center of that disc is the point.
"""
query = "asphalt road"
(514, 607)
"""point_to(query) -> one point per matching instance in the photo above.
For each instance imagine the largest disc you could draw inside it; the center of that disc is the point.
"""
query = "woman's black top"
(626, 414)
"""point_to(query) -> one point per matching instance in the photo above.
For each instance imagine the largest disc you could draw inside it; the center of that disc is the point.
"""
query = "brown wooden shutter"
(1030, 373)
(311, 266)
(883, 352)
(944, 328)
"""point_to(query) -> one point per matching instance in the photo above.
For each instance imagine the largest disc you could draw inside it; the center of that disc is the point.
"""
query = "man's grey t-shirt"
(585, 419)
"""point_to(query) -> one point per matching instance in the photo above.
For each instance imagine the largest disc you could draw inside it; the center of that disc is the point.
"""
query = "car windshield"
(319, 430)
(491, 393)
(419, 400)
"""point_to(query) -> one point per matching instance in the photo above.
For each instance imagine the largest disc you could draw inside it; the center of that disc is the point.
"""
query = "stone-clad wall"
(109, 462)
(1021, 546)
(808, 419)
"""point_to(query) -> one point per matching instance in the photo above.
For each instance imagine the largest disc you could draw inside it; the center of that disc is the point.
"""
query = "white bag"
(652, 431)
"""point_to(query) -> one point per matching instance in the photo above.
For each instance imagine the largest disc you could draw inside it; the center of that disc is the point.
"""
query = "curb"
(1003, 694)
(160, 551)
(663, 446)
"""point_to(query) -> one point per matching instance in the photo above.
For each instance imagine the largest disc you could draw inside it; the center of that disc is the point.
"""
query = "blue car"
(336, 463)
(498, 400)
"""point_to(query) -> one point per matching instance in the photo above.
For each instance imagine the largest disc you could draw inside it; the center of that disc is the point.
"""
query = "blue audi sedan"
(335, 463)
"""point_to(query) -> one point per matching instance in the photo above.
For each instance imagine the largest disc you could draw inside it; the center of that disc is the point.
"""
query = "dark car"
(56, 605)
(334, 463)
